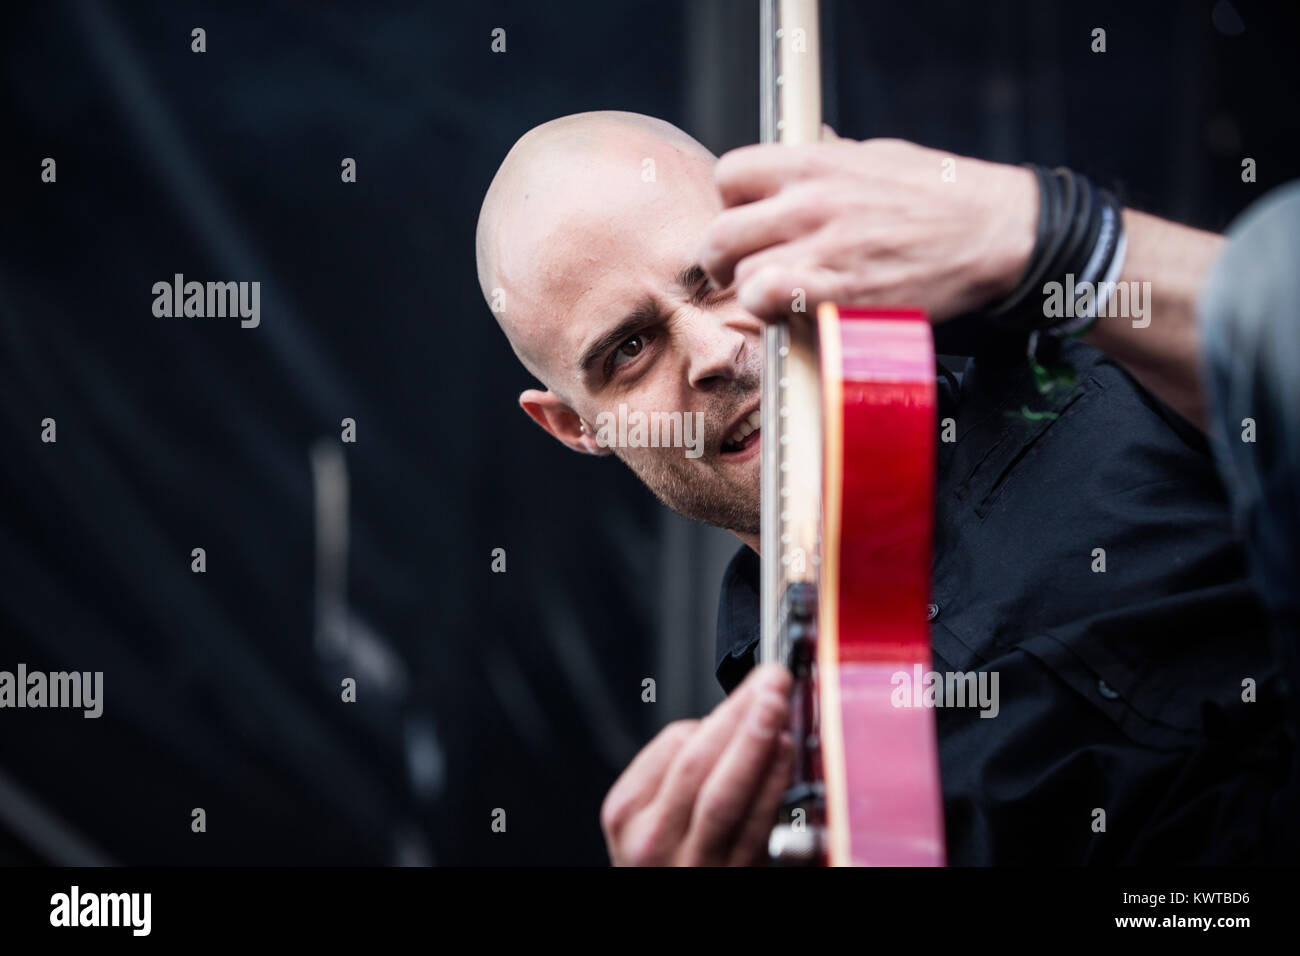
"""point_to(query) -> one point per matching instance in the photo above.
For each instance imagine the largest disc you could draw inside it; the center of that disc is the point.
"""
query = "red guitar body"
(879, 754)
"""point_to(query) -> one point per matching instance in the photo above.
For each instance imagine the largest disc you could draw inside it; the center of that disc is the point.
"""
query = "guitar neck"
(791, 410)
(795, 65)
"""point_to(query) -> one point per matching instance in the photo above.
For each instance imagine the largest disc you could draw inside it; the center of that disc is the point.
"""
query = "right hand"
(706, 792)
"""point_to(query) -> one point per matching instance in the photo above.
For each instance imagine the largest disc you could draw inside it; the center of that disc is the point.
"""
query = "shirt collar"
(738, 622)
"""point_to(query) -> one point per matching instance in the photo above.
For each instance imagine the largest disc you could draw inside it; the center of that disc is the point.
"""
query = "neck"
(749, 539)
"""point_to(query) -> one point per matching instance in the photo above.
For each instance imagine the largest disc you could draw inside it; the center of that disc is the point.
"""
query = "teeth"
(747, 427)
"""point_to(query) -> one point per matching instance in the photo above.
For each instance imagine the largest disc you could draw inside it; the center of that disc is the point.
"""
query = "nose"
(715, 349)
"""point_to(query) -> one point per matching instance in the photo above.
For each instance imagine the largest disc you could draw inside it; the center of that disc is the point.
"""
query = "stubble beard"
(709, 489)
(698, 488)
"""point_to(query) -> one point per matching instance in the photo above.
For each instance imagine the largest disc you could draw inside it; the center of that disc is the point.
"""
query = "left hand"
(869, 223)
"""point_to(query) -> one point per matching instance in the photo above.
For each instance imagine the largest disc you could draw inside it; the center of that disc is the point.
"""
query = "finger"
(745, 230)
(828, 134)
(693, 764)
(637, 785)
(775, 290)
(764, 675)
(751, 841)
(683, 782)
(796, 257)
(642, 780)
(751, 173)
(725, 799)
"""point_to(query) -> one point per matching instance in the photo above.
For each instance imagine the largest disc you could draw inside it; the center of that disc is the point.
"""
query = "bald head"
(587, 248)
(566, 189)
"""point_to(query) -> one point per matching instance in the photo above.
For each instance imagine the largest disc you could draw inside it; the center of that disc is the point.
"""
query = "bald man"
(632, 271)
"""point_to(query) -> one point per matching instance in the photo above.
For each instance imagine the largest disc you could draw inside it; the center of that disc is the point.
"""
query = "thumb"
(828, 134)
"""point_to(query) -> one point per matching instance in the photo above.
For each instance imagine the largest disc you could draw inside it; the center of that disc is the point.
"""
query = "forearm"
(1162, 350)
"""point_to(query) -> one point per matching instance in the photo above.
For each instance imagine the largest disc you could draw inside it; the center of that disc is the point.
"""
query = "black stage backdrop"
(477, 691)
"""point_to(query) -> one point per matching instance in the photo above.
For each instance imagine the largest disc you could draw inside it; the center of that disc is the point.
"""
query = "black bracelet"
(1007, 314)
(1079, 228)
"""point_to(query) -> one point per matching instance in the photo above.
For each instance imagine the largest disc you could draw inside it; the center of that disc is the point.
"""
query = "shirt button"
(1106, 691)
(931, 611)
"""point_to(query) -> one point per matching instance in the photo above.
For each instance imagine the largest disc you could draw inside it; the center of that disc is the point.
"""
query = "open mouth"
(745, 434)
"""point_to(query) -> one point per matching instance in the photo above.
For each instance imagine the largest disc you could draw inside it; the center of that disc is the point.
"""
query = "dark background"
(476, 690)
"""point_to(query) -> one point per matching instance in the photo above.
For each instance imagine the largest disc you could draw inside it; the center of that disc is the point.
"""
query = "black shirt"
(1120, 690)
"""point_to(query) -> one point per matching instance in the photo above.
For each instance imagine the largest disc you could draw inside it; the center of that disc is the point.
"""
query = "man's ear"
(561, 421)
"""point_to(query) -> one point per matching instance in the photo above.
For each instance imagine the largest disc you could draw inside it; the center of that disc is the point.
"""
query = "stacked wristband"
(1080, 243)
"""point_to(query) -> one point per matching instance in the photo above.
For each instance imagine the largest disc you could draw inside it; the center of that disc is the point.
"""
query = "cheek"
(661, 389)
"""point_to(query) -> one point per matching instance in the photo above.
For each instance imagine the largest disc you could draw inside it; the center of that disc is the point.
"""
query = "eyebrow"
(694, 282)
(644, 314)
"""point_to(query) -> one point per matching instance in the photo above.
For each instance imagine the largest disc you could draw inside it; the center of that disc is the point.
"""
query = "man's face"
(601, 269)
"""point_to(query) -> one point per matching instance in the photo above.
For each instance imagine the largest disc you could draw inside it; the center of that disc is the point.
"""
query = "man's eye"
(706, 294)
(630, 348)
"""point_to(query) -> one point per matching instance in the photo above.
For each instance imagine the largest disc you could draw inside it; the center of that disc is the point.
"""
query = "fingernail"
(767, 714)
(776, 677)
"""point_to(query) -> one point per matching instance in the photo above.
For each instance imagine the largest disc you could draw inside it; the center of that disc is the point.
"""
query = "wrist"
(1013, 217)
(1079, 240)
